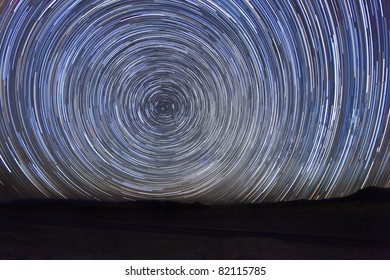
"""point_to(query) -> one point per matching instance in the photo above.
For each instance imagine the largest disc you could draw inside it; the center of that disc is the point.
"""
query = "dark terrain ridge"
(353, 227)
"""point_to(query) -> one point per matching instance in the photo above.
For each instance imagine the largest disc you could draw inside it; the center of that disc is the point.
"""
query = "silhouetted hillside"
(353, 227)
(370, 194)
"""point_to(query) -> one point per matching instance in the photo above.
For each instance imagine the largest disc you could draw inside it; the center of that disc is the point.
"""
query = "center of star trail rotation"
(194, 100)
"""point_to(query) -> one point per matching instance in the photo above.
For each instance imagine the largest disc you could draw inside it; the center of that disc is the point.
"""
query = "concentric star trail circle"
(194, 100)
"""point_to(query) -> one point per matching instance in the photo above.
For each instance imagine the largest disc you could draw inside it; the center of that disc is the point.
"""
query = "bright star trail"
(194, 100)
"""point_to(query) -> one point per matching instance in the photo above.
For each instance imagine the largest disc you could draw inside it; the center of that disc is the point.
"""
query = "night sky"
(193, 100)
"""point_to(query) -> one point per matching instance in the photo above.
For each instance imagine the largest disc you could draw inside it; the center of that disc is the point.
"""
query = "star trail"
(194, 100)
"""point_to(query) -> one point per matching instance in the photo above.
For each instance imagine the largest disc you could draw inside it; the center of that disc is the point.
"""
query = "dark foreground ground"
(356, 227)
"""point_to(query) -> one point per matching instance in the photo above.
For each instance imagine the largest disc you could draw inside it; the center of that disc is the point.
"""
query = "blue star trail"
(194, 100)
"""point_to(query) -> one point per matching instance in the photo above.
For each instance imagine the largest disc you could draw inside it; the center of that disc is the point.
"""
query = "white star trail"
(215, 101)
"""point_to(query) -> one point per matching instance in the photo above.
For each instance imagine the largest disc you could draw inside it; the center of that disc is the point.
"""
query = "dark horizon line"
(367, 194)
